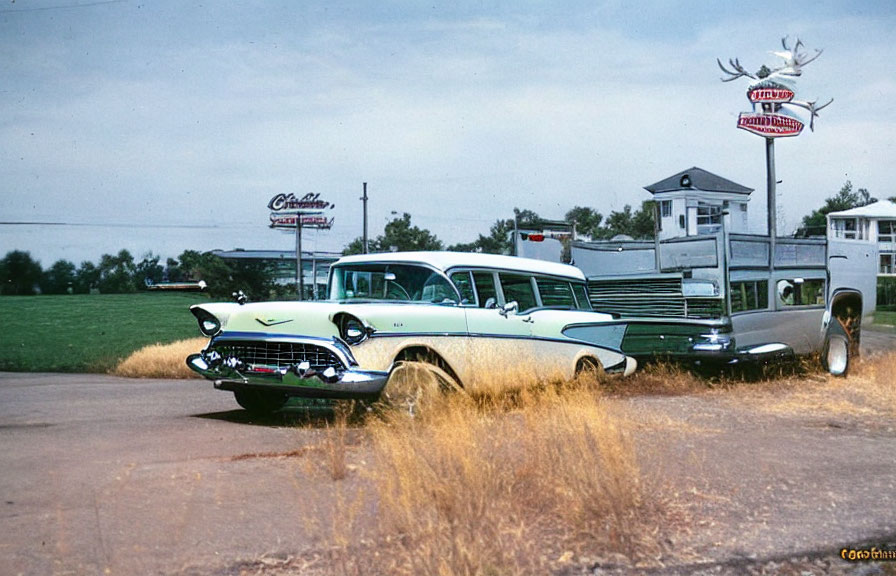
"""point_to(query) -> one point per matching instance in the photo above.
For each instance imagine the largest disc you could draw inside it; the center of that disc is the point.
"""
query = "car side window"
(437, 290)
(485, 287)
(518, 288)
(555, 292)
(358, 284)
(582, 296)
(463, 281)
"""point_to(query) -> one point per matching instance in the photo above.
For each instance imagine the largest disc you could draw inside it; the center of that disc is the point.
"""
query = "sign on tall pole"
(288, 212)
(771, 94)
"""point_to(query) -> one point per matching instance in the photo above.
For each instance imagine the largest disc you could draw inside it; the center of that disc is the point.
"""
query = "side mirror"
(509, 308)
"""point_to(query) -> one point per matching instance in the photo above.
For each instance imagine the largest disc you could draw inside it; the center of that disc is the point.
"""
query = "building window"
(749, 295)
(846, 228)
(886, 230)
(709, 218)
(665, 212)
(666, 208)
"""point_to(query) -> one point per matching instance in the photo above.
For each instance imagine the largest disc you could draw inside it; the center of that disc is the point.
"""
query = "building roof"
(240, 254)
(879, 209)
(697, 179)
(446, 260)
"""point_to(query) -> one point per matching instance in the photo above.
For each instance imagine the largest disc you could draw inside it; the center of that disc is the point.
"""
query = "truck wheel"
(260, 402)
(835, 356)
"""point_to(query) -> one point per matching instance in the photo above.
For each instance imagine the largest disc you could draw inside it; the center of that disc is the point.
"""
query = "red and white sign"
(769, 125)
(309, 203)
(288, 221)
(771, 94)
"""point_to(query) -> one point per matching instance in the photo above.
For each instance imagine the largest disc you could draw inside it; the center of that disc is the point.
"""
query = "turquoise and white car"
(472, 320)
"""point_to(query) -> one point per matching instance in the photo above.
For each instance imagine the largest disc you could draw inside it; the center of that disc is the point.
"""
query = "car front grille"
(279, 354)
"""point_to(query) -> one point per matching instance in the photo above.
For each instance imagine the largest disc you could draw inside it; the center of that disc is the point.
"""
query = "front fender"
(220, 311)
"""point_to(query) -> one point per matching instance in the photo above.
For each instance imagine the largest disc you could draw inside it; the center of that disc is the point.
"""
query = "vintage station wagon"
(473, 320)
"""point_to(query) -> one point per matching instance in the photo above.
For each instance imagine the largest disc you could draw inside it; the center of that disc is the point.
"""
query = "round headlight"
(353, 331)
(208, 324)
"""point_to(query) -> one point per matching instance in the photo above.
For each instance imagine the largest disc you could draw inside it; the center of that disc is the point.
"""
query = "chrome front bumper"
(343, 379)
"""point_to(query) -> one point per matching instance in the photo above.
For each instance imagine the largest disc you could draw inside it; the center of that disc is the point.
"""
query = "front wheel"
(836, 354)
(414, 385)
(260, 402)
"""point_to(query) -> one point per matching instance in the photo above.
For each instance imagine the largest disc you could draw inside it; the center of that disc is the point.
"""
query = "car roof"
(445, 261)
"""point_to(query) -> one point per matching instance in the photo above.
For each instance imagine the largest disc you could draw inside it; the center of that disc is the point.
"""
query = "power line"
(61, 6)
(114, 225)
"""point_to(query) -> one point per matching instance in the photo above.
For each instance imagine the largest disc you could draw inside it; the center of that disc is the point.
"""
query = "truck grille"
(280, 354)
(659, 286)
(651, 297)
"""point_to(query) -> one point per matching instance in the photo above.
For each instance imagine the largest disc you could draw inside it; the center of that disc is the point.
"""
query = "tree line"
(401, 236)
(122, 273)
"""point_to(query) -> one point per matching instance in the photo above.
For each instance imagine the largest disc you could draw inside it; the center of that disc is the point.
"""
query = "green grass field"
(885, 318)
(88, 333)
(93, 333)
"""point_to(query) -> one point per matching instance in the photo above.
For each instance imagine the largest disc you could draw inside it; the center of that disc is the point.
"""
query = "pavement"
(106, 475)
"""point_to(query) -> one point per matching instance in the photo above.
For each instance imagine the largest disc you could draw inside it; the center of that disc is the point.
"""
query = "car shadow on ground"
(315, 414)
(319, 417)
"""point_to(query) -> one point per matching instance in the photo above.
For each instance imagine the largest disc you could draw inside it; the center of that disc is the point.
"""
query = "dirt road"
(104, 475)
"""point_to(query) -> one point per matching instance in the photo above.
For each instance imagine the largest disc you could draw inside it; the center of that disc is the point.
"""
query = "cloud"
(456, 114)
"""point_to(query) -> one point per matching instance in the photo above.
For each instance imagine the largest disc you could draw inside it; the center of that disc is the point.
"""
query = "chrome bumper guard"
(758, 354)
(298, 379)
(625, 368)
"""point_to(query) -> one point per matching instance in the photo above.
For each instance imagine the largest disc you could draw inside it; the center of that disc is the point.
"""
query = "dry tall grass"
(868, 391)
(657, 378)
(161, 360)
(875, 382)
(500, 484)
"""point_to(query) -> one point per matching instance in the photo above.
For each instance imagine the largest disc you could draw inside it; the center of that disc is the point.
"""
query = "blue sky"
(167, 125)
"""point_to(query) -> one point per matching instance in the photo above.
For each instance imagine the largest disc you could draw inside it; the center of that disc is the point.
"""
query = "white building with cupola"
(695, 202)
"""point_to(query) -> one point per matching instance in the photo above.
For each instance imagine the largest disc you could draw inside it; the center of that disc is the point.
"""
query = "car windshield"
(392, 282)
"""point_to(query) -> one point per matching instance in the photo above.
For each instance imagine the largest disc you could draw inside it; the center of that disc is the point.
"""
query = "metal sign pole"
(313, 275)
(300, 284)
(772, 200)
